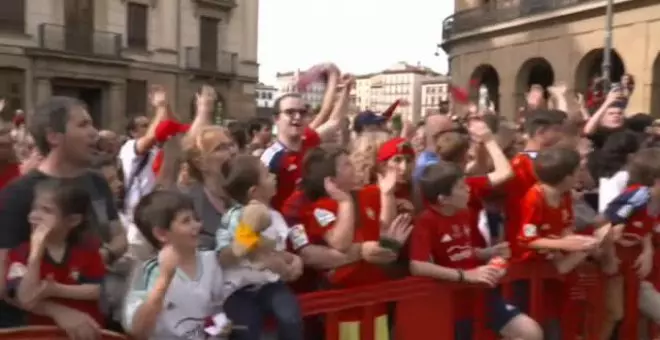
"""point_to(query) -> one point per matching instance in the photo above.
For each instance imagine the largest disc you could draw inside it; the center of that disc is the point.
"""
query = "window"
(137, 24)
(12, 16)
(12, 88)
(208, 42)
(136, 98)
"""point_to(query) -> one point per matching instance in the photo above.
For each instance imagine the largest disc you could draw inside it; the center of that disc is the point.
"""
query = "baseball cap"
(367, 118)
(393, 147)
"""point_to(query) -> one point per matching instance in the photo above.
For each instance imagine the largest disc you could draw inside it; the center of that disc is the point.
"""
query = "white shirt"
(245, 273)
(610, 187)
(188, 303)
(144, 182)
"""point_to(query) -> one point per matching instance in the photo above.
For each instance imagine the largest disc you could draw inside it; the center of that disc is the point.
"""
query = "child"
(442, 233)
(630, 213)
(59, 265)
(177, 295)
(253, 290)
(547, 221)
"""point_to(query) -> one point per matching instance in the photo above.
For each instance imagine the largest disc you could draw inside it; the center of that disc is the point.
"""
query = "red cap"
(393, 147)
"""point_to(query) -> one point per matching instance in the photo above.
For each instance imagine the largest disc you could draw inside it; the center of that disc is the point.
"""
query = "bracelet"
(461, 276)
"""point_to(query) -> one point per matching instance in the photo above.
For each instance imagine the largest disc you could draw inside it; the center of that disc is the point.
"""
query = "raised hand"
(168, 260)
(399, 230)
(387, 181)
(479, 131)
(205, 99)
(158, 96)
(334, 191)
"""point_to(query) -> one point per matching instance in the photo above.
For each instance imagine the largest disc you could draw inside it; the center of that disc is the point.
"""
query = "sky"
(360, 36)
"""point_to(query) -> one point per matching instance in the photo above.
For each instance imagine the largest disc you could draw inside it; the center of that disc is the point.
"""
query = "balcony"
(500, 11)
(217, 4)
(203, 60)
(77, 41)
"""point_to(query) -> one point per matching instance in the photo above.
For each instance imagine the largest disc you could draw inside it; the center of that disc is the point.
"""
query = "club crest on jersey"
(324, 217)
(16, 270)
(529, 230)
(446, 238)
(74, 274)
(292, 167)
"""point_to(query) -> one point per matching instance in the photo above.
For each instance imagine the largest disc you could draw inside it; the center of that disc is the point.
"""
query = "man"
(434, 125)
(63, 132)
(260, 131)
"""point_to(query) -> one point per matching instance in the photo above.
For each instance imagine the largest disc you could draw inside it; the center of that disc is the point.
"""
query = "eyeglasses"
(291, 112)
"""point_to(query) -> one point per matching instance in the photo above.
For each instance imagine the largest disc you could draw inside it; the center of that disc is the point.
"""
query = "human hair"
(542, 119)
(257, 124)
(439, 180)
(613, 156)
(239, 133)
(159, 209)
(241, 173)
(71, 198)
(131, 125)
(644, 167)
(278, 102)
(452, 146)
(51, 116)
(553, 165)
(197, 147)
(318, 164)
(363, 155)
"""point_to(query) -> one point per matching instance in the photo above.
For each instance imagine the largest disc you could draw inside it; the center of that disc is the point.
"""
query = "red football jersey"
(540, 220)
(516, 187)
(447, 242)
(287, 165)
(8, 173)
(321, 217)
(80, 265)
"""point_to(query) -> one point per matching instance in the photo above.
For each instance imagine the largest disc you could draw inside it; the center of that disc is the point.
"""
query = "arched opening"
(655, 88)
(590, 66)
(485, 75)
(535, 71)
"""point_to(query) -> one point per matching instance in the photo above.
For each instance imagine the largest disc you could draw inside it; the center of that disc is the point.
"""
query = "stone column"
(114, 107)
(43, 89)
(168, 13)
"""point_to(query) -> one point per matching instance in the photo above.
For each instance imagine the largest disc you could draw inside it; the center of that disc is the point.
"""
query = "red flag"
(390, 110)
(460, 95)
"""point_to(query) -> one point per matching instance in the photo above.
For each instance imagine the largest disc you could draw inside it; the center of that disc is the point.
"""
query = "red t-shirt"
(8, 173)
(540, 220)
(516, 188)
(447, 242)
(321, 217)
(80, 265)
(287, 165)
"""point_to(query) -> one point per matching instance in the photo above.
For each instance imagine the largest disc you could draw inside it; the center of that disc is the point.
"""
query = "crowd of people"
(199, 231)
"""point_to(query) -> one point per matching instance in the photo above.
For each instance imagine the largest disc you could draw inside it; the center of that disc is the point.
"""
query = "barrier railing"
(424, 307)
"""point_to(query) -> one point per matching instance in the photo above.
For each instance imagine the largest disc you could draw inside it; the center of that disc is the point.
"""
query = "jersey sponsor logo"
(446, 238)
(16, 271)
(298, 236)
(459, 253)
(529, 230)
(324, 217)
(291, 167)
(371, 214)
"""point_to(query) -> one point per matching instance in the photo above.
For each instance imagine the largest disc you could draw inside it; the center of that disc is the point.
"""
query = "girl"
(59, 265)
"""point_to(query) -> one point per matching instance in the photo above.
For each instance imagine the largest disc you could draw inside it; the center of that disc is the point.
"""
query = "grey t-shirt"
(211, 218)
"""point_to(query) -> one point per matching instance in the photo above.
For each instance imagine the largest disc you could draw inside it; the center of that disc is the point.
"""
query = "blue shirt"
(424, 159)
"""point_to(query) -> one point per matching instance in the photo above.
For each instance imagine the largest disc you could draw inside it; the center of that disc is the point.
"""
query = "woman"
(205, 153)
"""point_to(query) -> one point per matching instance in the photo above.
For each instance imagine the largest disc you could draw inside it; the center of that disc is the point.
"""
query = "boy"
(178, 294)
(253, 291)
(543, 129)
(442, 233)
(547, 223)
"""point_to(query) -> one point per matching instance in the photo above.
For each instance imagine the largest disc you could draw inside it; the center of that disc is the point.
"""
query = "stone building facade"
(511, 44)
(109, 52)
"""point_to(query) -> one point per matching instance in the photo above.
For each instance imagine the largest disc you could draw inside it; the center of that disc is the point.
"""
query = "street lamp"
(607, 51)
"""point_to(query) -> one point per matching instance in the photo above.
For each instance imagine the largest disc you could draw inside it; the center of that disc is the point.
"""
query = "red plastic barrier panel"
(48, 333)
(425, 308)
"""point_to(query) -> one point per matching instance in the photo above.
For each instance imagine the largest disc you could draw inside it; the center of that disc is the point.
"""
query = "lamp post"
(607, 51)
